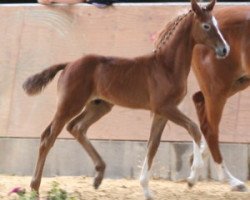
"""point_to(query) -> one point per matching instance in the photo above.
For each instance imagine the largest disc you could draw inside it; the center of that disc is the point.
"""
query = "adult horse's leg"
(157, 127)
(176, 116)
(78, 128)
(209, 114)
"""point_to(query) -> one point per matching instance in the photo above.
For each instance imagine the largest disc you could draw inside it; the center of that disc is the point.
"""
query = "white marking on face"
(215, 23)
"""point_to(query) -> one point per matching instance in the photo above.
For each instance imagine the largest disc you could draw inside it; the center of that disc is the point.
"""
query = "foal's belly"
(127, 100)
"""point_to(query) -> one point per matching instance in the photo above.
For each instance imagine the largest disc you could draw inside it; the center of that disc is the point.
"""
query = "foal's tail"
(36, 83)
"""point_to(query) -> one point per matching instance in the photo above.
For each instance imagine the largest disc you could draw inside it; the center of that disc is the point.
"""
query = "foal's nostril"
(224, 51)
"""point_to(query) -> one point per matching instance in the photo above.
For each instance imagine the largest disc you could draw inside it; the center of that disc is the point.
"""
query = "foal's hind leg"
(176, 116)
(68, 107)
(157, 127)
(47, 141)
(78, 128)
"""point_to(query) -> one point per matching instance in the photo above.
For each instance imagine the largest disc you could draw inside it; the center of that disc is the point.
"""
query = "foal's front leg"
(78, 128)
(153, 144)
(176, 116)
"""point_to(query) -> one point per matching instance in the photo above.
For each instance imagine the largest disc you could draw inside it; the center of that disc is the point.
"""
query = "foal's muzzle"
(222, 51)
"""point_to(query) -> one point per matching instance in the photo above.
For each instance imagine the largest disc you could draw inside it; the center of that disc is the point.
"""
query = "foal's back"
(121, 81)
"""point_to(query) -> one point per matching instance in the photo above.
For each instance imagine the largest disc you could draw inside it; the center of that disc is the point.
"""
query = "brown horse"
(220, 79)
(155, 82)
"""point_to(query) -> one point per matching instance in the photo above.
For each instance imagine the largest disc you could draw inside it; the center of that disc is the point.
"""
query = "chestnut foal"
(155, 82)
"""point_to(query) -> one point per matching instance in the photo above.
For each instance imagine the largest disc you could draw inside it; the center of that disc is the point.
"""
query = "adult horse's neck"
(175, 54)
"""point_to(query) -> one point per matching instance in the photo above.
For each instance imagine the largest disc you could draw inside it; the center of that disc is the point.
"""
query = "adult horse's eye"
(206, 27)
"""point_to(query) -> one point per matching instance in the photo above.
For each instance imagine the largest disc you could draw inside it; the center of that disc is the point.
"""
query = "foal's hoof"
(149, 198)
(148, 194)
(34, 186)
(97, 181)
(239, 188)
(190, 183)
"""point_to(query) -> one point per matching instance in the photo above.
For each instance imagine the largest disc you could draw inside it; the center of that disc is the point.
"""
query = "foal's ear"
(210, 6)
(196, 8)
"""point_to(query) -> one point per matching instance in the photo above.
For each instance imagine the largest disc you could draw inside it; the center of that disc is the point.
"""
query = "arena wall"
(33, 37)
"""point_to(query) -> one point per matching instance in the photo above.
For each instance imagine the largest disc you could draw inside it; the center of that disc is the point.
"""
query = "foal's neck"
(176, 53)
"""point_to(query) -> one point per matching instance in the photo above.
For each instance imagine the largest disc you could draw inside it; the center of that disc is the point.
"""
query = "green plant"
(56, 193)
(28, 196)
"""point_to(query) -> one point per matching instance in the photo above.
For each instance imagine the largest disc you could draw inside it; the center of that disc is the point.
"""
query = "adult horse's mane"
(168, 30)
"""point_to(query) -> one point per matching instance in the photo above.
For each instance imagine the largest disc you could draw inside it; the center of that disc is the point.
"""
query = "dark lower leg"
(78, 128)
(47, 141)
(157, 128)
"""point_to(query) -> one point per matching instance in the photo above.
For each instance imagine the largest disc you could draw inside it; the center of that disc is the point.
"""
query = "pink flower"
(17, 190)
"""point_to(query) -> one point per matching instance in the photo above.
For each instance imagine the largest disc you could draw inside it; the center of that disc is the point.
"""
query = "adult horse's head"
(206, 30)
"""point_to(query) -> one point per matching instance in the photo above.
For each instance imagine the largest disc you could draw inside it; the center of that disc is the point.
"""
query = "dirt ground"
(123, 189)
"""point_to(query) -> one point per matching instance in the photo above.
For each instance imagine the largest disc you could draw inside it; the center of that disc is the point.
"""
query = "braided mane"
(168, 30)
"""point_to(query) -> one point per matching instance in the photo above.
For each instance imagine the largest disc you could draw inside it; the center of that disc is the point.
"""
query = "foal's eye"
(206, 27)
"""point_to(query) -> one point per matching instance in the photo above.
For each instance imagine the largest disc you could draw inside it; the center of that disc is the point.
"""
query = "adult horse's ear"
(195, 7)
(210, 6)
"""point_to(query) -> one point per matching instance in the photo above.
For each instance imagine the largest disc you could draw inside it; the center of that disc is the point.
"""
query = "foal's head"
(205, 30)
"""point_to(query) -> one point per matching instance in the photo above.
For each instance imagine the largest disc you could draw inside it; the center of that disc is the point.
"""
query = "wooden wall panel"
(33, 37)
